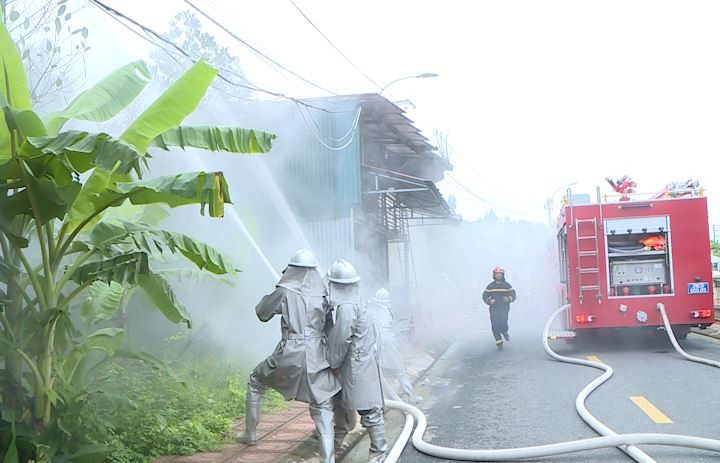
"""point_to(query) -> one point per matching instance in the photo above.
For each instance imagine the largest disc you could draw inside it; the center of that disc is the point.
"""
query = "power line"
(255, 50)
(488, 203)
(119, 17)
(150, 33)
(335, 47)
(485, 180)
(151, 36)
(353, 130)
(221, 13)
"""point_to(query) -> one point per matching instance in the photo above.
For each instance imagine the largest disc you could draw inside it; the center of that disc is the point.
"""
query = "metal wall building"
(355, 174)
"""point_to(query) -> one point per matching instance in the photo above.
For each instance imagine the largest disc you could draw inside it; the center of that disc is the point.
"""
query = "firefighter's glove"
(506, 298)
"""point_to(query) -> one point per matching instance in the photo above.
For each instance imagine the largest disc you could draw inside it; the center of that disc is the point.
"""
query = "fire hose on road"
(626, 442)
(671, 335)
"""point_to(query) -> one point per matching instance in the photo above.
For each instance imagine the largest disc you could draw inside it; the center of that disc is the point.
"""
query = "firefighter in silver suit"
(392, 365)
(354, 357)
(298, 368)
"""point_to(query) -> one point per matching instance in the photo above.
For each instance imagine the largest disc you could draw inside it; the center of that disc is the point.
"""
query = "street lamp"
(424, 75)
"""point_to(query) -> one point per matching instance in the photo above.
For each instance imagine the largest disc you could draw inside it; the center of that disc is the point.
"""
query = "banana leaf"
(192, 275)
(107, 340)
(52, 200)
(13, 86)
(10, 233)
(58, 160)
(8, 270)
(102, 303)
(105, 99)
(148, 359)
(206, 188)
(150, 214)
(11, 451)
(27, 122)
(132, 268)
(84, 151)
(153, 240)
(120, 269)
(159, 291)
(6, 343)
(228, 139)
(93, 196)
(76, 247)
(169, 110)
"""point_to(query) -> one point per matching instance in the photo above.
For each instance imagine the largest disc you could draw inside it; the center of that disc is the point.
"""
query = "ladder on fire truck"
(588, 257)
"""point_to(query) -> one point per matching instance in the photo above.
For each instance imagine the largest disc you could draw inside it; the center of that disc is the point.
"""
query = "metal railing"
(655, 195)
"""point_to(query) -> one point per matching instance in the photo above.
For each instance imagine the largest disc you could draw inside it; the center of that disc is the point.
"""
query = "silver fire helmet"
(342, 271)
(303, 258)
(382, 296)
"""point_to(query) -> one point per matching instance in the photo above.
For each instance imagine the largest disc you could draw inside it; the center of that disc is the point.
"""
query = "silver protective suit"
(298, 368)
(384, 323)
(391, 360)
(353, 350)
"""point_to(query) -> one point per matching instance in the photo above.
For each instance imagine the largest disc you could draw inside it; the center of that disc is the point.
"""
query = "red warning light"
(584, 318)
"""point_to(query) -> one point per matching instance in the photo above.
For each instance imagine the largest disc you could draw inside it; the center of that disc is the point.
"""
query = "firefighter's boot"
(255, 392)
(388, 387)
(499, 344)
(407, 386)
(345, 421)
(374, 422)
(322, 415)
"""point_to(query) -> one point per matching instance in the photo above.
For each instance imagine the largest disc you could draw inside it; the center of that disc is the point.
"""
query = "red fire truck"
(622, 255)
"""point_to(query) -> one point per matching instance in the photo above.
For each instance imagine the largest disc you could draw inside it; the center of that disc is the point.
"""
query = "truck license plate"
(699, 288)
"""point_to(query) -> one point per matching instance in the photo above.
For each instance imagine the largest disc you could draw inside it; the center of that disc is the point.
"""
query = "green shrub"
(143, 413)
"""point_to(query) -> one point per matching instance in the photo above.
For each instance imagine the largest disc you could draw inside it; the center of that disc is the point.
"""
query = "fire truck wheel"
(680, 332)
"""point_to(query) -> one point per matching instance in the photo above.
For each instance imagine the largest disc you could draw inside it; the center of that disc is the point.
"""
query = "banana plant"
(55, 187)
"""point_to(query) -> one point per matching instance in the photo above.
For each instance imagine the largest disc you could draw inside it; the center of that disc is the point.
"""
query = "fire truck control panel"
(633, 272)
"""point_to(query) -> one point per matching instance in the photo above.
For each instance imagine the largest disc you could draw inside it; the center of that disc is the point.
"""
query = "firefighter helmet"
(303, 258)
(657, 243)
(342, 271)
(498, 269)
(382, 296)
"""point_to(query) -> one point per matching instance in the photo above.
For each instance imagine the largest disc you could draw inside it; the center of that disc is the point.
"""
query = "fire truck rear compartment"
(619, 260)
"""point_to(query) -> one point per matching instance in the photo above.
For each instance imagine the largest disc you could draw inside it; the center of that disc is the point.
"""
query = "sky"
(533, 96)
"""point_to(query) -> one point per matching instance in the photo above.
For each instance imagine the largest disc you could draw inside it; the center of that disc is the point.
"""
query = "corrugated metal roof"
(386, 118)
(420, 196)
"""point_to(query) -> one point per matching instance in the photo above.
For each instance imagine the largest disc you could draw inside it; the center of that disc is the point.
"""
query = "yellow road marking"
(650, 410)
(594, 358)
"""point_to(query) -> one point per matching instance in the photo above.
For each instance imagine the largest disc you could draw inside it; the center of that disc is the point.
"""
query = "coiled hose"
(626, 442)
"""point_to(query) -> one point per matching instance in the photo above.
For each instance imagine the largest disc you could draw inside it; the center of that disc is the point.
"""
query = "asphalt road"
(478, 397)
